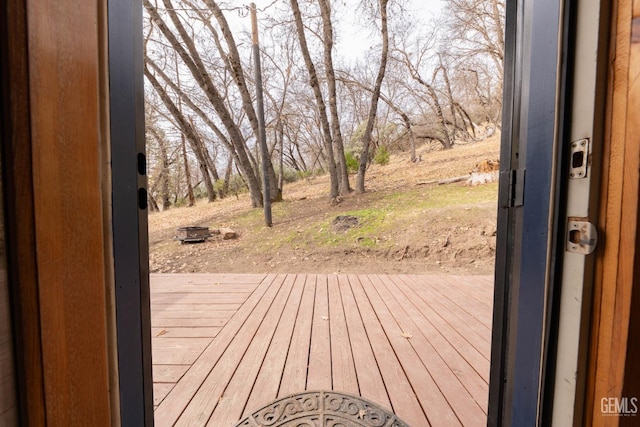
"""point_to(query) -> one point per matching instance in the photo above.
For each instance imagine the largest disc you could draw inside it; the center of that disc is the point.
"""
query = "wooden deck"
(226, 345)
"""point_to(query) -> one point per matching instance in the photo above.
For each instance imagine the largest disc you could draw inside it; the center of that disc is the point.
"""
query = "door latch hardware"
(582, 237)
(579, 159)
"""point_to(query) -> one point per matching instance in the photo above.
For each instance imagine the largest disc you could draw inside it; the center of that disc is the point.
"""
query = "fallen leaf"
(161, 333)
(361, 414)
(325, 318)
(406, 335)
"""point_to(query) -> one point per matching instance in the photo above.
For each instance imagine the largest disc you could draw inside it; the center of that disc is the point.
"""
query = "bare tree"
(366, 140)
(474, 37)
(404, 116)
(433, 98)
(338, 144)
(320, 104)
(233, 64)
(184, 45)
(187, 129)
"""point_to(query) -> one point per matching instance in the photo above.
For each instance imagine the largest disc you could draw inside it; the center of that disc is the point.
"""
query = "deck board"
(416, 345)
(211, 390)
(370, 381)
(319, 371)
(267, 384)
(421, 377)
(401, 394)
(230, 406)
(467, 410)
(343, 371)
(473, 382)
(450, 316)
(294, 376)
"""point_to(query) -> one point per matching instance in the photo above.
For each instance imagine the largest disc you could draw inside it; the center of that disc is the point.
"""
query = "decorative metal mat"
(322, 409)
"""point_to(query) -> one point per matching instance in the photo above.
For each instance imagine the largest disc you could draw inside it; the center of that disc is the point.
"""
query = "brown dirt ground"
(405, 227)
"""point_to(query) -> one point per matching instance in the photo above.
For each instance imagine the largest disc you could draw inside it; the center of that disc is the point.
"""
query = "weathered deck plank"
(275, 335)
(446, 317)
(422, 377)
(231, 404)
(468, 377)
(465, 407)
(369, 377)
(343, 370)
(319, 372)
(401, 394)
(181, 394)
(211, 390)
(294, 376)
(267, 384)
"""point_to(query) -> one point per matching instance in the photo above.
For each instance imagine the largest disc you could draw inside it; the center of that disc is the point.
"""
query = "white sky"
(353, 36)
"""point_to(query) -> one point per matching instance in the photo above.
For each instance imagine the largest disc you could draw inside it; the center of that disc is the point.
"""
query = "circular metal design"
(322, 409)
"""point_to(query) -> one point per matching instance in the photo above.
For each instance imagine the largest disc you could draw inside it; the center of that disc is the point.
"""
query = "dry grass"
(392, 194)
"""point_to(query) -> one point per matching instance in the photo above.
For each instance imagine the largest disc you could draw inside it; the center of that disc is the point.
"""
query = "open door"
(552, 130)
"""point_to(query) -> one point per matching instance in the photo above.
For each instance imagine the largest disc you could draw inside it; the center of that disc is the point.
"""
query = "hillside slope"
(398, 226)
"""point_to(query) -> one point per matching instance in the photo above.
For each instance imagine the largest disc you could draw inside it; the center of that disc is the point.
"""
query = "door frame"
(532, 190)
(129, 212)
(536, 139)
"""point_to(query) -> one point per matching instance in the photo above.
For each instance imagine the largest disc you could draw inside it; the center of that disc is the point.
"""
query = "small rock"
(228, 234)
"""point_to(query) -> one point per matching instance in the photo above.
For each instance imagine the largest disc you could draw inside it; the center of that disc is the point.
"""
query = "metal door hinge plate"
(582, 236)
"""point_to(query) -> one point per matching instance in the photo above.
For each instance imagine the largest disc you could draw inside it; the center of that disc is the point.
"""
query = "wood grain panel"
(64, 76)
(16, 152)
(8, 391)
(631, 386)
(616, 272)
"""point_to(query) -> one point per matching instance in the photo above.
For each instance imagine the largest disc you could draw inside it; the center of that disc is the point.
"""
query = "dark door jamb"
(130, 238)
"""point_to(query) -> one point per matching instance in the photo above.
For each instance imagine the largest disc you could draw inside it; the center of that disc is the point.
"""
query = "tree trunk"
(404, 116)
(373, 109)
(322, 109)
(153, 205)
(187, 131)
(466, 121)
(227, 177)
(452, 107)
(163, 178)
(234, 65)
(187, 173)
(280, 133)
(198, 146)
(338, 144)
(446, 140)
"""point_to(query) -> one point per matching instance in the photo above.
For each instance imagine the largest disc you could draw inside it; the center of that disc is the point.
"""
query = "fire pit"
(192, 234)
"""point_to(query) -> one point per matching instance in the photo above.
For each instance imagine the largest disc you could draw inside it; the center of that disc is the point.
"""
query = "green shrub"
(293, 175)
(382, 156)
(181, 202)
(218, 186)
(200, 191)
(352, 162)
